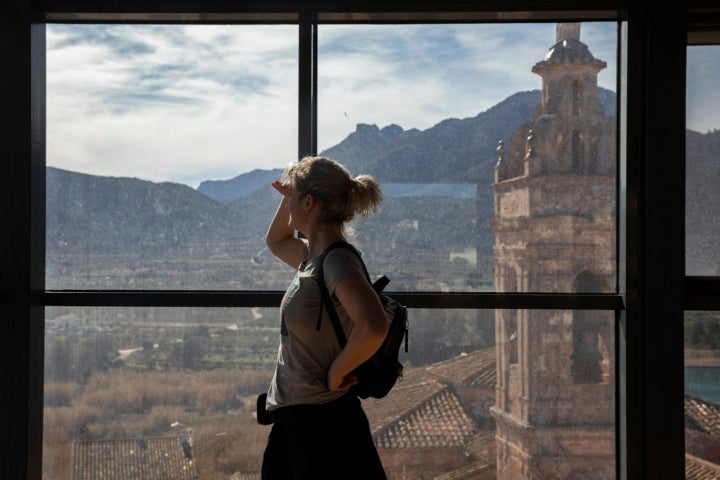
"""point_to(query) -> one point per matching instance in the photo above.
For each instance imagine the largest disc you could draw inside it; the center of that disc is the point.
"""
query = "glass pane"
(702, 223)
(488, 392)
(702, 394)
(161, 143)
(495, 146)
(176, 382)
(555, 405)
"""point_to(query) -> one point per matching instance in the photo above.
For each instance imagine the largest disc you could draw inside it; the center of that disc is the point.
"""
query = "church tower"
(554, 226)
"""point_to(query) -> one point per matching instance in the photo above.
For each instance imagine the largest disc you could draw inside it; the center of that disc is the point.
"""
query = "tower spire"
(567, 31)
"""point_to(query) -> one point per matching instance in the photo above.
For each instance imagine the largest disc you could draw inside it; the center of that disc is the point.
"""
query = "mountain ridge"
(89, 214)
(394, 155)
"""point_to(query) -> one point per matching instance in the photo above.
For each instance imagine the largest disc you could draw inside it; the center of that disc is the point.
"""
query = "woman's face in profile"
(295, 208)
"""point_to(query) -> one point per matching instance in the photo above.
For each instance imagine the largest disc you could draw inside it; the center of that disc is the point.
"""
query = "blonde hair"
(331, 184)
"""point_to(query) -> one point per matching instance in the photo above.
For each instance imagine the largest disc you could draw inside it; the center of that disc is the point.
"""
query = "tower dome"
(568, 49)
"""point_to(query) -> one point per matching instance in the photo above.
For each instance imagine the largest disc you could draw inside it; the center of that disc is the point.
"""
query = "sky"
(703, 90)
(187, 103)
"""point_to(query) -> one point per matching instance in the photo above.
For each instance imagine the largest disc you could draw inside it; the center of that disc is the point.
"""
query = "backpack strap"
(349, 246)
(326, 300)
(332, 313)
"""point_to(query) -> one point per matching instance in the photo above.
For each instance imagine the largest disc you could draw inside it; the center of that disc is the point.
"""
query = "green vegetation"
(216, 407)
(702, 330)
(82, 341)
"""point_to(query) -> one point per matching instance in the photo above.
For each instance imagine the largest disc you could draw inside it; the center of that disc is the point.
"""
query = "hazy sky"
(703, 97)
(192, 103)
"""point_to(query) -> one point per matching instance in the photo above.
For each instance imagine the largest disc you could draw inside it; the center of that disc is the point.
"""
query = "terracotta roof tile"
(438, 420)
(245, 476)
(159, 458)
(423, 410)
(468, 472)
(475, 369)
(482, 448)
(698, 469)
(702, 415)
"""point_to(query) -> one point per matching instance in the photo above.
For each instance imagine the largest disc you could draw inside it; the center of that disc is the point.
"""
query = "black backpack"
(378, 374)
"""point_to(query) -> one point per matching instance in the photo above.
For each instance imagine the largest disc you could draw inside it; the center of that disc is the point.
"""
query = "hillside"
(702, 203)
(97, 224)
(88, 213)
(453, 151)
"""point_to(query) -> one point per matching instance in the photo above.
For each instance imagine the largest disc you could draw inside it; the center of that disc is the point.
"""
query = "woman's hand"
(370, 327)
(283, 188)
(280, 236)
(340, 383)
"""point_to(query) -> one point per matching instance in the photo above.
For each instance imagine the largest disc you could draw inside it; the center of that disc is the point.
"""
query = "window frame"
(653, 290)
(308, 22)
(308, 25)
(702, 292)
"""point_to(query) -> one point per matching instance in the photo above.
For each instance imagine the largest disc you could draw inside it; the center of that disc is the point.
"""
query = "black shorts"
(321, 442)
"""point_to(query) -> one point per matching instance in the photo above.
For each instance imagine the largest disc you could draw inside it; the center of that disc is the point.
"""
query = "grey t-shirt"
(305, 353)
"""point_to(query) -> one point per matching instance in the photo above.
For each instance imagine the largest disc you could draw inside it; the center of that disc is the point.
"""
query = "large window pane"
(126, 385)
(424, 108)
(702, 226)
(155, 135)
(489, 392)
(129, 233)
(555, 405)
(702, 394)
(517, 198)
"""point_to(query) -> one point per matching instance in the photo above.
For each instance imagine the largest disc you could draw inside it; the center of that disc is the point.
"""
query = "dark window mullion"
(307, 84)
(272, 299)
(702, 293)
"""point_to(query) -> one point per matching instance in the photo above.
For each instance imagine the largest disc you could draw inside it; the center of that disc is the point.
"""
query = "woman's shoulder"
(343, 258)
(343, 250)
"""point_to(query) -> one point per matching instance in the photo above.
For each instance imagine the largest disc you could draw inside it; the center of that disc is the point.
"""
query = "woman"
(317, 424)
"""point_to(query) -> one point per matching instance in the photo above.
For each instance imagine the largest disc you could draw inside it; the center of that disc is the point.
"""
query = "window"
(702, 162)
(702, 323)
(158, 179)
(161, 143)
(652, 287)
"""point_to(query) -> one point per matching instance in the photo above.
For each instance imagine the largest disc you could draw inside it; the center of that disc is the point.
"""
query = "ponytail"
(365, 195)
(330, 183)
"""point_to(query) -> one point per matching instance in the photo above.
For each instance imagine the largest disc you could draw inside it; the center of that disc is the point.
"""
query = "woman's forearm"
(279, 229)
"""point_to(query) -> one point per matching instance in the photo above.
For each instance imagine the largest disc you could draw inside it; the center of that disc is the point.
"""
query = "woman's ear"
(308, 203)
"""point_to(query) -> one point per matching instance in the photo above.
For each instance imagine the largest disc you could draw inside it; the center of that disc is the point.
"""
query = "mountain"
(357, 150)
(244, 184)
(702, 201)
(453, 151)
(90, 215)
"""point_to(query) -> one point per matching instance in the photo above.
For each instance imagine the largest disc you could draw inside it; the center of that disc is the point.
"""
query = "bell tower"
(554, 227)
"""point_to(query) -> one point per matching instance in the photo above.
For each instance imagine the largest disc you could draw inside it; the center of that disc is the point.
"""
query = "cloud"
(178, 103)
(418, 75)
(188, 103)
(703, 94)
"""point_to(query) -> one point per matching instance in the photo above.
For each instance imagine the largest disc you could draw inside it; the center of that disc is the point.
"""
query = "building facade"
(554, 226)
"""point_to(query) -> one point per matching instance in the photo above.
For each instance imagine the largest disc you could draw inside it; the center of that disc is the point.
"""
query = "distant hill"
(243, 184)
(93, 215)
(702, 200)
(453, 151)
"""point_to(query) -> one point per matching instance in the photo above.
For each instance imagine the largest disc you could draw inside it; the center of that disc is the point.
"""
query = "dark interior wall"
(14, 265)
(654, 321)
(650, 380)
